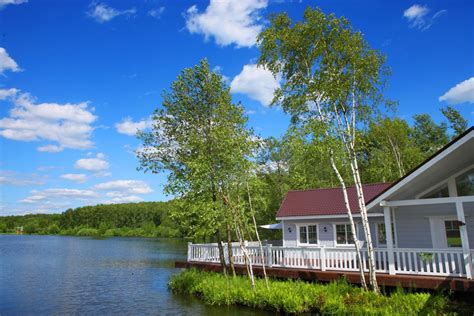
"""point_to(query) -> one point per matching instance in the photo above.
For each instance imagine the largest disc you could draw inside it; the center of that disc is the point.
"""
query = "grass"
(293, 297)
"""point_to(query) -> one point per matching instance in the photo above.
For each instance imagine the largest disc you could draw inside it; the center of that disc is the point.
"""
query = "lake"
(77, 275)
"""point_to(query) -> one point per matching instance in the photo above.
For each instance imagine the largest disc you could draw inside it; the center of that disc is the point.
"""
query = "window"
(308, 234)
(382, 235)
(465, 183)
(453, 235)
(344, 234)
(303, 235)
(437, 193)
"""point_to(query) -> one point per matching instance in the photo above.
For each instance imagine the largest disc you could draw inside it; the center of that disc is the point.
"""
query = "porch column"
(464, 239)
(389, 239)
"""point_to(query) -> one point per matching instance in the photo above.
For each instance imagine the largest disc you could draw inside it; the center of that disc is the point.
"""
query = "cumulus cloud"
(228, 22)
(255, 82)
(8, 93)
(124, 191)
(92, 164)
(102, 13)
(419, 16)
(463, 92)
(76, 177)
(156, 13)
(125, 186)
(6, 62)
(58, 199)
(50, 148)
(4, 3)
(59, 193)
(19, 179)
(129, 127)
(68, 125)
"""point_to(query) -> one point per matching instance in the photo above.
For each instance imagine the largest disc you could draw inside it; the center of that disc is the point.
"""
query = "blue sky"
(77, 78)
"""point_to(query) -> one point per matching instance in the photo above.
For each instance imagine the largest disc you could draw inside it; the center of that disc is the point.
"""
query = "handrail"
(417, 261)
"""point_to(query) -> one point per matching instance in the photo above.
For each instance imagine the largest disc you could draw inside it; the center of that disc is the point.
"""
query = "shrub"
(87, 232)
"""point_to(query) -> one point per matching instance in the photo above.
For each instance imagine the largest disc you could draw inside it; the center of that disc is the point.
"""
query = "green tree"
(456, 121)
(332, 81)
(429, 136)
(388, 151)
(199, 137)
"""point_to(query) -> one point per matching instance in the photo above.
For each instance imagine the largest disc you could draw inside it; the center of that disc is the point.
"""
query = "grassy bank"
(298, 297)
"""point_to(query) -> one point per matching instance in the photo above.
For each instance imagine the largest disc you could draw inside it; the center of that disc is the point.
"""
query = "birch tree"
(331, 77)
(200, 140)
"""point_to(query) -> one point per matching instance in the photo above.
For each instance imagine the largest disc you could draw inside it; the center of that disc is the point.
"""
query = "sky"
(79, 78)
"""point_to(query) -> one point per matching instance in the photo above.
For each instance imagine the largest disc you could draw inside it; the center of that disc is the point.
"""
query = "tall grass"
(290, 296)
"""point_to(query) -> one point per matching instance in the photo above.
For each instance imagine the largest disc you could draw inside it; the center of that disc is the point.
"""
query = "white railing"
(437, 262)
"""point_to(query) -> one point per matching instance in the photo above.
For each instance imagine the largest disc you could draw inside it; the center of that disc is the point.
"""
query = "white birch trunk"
(258, 237)
(351, 221)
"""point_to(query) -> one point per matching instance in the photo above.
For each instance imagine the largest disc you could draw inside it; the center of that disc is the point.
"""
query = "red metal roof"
(325, 201)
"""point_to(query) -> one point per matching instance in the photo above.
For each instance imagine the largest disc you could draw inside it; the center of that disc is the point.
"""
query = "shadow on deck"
(384, 279)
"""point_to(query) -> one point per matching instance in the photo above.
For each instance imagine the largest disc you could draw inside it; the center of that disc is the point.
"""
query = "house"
(421, 225)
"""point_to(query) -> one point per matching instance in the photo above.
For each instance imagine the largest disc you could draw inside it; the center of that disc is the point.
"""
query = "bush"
(290, 296)
(87, 232)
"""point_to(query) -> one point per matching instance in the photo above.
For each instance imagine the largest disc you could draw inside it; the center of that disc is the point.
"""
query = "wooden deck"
(384, 279)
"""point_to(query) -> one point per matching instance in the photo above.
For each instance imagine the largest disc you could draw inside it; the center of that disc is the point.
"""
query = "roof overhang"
(466, 139)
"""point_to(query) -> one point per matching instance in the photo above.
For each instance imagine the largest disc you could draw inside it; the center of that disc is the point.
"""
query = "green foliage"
(301, 297)
(456, 121)
(429, 136)
(199, 137)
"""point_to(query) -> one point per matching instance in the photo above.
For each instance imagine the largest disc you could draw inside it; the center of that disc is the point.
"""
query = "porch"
(413, 268)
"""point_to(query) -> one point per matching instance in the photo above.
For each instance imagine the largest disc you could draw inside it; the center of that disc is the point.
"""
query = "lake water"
(55, 275)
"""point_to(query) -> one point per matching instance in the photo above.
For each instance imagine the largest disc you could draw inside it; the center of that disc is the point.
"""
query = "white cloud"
(124, 199)
(156, 13)
(124, 191)
(92, 164)
(228, 22)
(6, 62)
(463, 92)
(59, 193)
(50, 149)
(8, 93)
(20, 179)
(101, 12)
(4, 3)
(124, 186)
(256, 82)
(68, 125)
(418, 16)
(76, 177)
(130, 127)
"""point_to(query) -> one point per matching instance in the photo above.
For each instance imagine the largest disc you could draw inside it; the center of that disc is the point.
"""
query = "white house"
(422, 224)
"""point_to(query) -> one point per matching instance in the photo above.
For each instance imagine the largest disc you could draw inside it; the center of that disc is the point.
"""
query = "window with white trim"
(344, 234)
(453, 235)
(308, 234)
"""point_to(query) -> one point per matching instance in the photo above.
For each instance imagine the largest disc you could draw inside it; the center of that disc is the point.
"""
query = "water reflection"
(73, 275)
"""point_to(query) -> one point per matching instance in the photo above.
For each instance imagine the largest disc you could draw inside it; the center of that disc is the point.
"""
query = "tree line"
(146, 219)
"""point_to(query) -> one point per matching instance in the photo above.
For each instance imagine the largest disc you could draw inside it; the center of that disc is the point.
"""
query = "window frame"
(335, 233)
(307, 244)
(377, 233)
